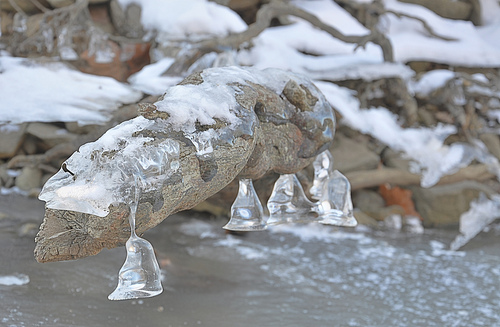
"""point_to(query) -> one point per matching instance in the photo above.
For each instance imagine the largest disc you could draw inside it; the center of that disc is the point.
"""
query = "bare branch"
(40, 7)
(17, 8)
(376, 177)
(264, 17)
(427, 27)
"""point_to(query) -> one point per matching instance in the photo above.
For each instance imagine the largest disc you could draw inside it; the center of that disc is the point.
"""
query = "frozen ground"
(291, 276)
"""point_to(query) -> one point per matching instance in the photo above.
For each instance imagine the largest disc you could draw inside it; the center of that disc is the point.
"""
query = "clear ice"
(335, 206)
(140, 275)
(323, 168)
(93, 178)
(288, 202)
(333, 191)
(247, 213)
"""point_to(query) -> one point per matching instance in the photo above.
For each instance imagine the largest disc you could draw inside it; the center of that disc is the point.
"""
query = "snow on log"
(204, 132)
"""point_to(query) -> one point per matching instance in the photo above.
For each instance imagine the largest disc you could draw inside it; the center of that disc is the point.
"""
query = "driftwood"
(264, 18)
(376, 177)
(279, 131)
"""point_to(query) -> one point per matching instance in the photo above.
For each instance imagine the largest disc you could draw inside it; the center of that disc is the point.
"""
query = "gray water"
(302, 275)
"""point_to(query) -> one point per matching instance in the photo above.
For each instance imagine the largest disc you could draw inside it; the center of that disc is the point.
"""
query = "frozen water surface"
(302, 275)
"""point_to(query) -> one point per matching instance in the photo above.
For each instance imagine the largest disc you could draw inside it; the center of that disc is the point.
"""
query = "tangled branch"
(265, 15)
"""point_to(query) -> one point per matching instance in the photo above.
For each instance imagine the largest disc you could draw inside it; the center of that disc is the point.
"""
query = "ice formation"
(482, 213)
(215, 126)
(140, 275)
(288, 202)
(191, 143)
(100, 173)
(90, 180)
(247, 213)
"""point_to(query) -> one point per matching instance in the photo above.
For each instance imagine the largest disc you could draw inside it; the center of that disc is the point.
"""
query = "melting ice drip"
(247, 213)
(289, 204)
(140, 275)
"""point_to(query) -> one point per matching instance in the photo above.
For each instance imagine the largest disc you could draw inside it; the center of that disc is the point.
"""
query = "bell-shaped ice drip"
(288, 202)
(335, 206)
(247, 213)
(140, 275)
(323, 168)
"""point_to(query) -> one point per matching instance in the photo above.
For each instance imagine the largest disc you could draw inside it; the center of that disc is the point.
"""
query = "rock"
(426, 117)
(492, 142)
(29, 178)
(12, 137)
(122, 60)
(98, 2)
(367, 200)
(364, 219)
(393, 221)
(395, 195)
(6, 177)
(100, 17)
(442, 205)
(27, 6)
(76, 128)
(350, 155)
(452, 9)
(6, 22)
(50, 134)
(272, 122)
(247, 9)
(61, 3)
(33, 24)
(381, 214)
(30, 145)
(393, 159)
(127, 21)
(64, 3)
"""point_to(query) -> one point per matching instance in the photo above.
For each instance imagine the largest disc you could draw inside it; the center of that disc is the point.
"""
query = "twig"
(427, 27)
(40, 7)
(17, 8)
(376, 177)
(263, 20)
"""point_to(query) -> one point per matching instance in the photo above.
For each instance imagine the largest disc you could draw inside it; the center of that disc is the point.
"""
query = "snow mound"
(52, 92)
(178, 19)
(482, 212)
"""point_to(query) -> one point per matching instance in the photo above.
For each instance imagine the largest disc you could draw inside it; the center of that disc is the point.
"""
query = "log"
(271, 122)
(376, 177)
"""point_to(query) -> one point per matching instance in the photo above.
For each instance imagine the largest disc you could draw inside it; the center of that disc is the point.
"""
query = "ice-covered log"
(214, 126)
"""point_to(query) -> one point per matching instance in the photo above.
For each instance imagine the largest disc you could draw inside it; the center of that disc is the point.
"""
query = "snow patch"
(431, 81)
(215, 97)
(482, 213)
(316, 232)
(425, 146)
(198, 228)
(150, 80)
(52, 92)
(14, 280)
(178, 19)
